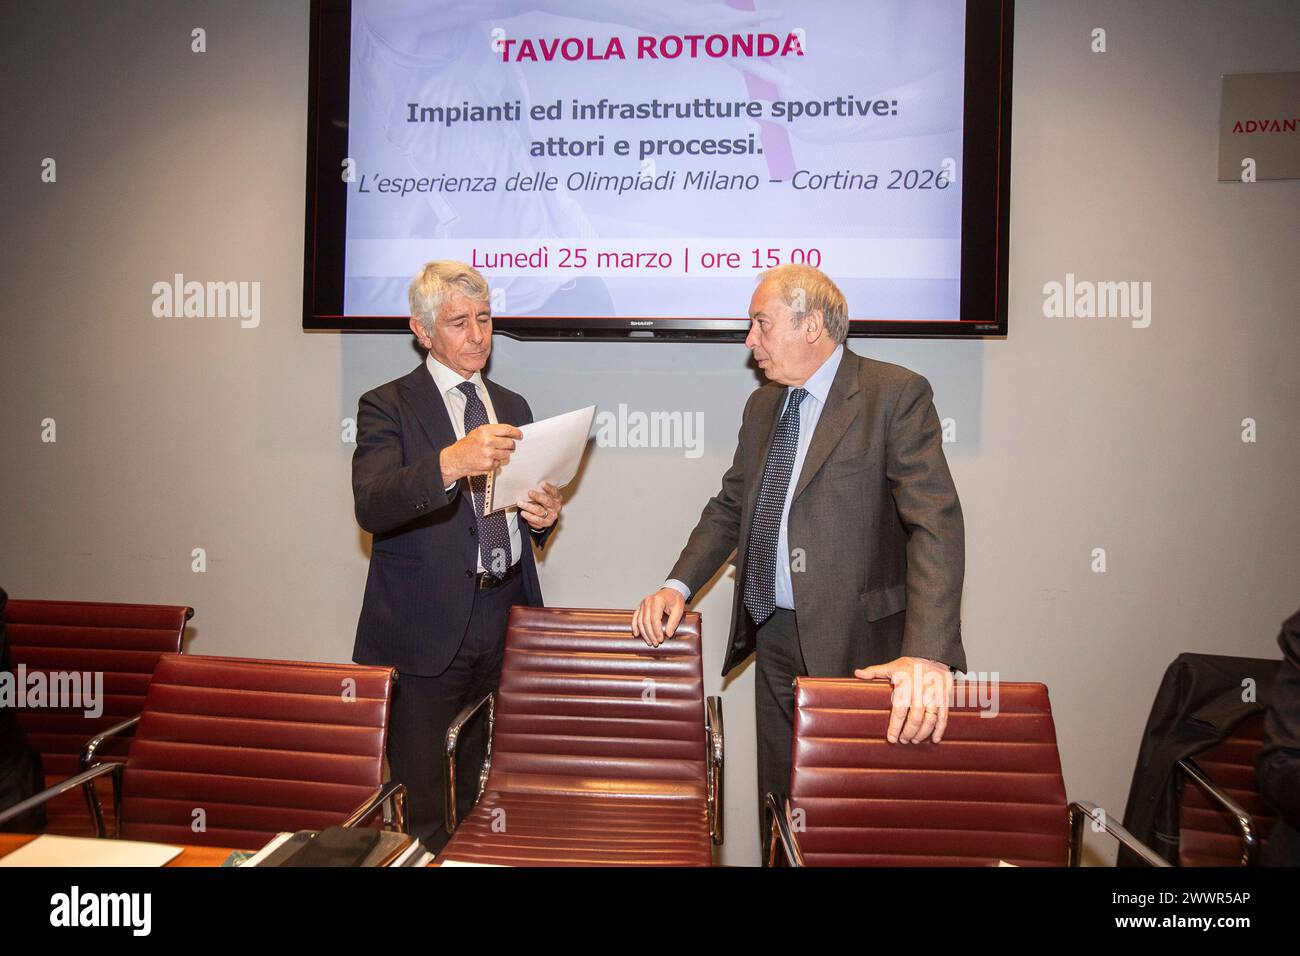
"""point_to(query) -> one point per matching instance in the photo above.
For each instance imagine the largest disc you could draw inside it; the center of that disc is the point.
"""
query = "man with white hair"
(848, 534)
(443, 577)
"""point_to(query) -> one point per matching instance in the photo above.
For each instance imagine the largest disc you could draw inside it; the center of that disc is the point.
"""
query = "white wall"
(1072, 434)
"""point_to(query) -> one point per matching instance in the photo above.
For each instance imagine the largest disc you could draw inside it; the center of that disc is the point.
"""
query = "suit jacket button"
(469, 572)
(473, 530)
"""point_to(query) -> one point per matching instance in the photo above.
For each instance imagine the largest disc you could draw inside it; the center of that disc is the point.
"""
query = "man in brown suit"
(848, 533)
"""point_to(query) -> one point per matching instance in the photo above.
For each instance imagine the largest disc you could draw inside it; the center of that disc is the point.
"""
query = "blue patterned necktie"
(493, 535)
(765, 530)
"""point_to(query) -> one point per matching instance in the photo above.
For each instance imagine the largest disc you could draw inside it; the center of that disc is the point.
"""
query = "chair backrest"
(120, 641)
(584, 706)
(990, 790)
(1207, 835)
(258, 746)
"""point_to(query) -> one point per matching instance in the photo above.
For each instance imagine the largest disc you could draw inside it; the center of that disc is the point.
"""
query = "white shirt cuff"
(679, 587)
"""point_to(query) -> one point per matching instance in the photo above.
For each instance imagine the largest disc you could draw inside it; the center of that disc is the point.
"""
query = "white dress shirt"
(818, 387)
(448, 383)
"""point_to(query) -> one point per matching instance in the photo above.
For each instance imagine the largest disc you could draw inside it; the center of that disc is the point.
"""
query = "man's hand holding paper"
(545, 458)
(482, 450)
(541, 508)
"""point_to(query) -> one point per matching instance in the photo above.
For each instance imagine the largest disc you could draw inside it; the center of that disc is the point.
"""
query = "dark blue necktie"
(493, 534)
(765, 530)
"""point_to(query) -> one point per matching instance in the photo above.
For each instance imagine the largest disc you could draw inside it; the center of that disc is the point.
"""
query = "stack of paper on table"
(50, 850)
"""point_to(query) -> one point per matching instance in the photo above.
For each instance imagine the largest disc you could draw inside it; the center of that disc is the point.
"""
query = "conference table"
(189, 855)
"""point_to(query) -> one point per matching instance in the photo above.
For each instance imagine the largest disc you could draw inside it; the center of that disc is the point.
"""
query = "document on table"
(50, 850)
(257, 858)
(447, 861)
(551, 450)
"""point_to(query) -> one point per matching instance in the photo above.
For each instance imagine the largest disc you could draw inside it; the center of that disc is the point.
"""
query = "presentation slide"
(611, 159)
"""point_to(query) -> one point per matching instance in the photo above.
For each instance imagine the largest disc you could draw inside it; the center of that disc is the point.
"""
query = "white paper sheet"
(50, 850)
(551, 450)
(447, 861)
(267, 850)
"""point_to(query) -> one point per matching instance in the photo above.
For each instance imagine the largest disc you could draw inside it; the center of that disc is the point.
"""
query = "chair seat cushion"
(513, 828)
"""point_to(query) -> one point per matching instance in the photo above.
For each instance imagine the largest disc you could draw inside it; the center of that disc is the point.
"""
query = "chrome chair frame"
(1244, 822)
(780, 829)
(781, 833)
(1081, 810)
(390, 796)
(88, 760)
(450, 746)
(82, 779)
(714, 758)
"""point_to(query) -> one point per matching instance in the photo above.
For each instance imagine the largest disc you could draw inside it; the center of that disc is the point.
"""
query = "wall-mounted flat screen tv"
(624, 169)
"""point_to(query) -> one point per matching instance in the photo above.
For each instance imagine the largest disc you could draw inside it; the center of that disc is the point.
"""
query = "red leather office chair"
(602, 750)
(1223, 819)
(121, 641)
(251, 748)
(991, 790)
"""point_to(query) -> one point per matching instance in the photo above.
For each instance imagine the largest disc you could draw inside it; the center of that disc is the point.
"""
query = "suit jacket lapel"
(430, 408)
(502, 404)
(834, 421)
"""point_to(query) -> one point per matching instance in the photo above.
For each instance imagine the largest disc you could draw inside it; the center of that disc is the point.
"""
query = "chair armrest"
(452, 742)
(88, 759)
(713, 733)
(1245, 823)
(392, 793)
(95, 742)
(1081, 810)
(776, 810)
(83, 779)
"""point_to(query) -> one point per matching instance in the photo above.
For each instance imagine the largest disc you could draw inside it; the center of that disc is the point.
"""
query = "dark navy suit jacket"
(421, 585)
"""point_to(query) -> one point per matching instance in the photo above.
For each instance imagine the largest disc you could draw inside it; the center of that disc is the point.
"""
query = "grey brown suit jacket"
(875, 524)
